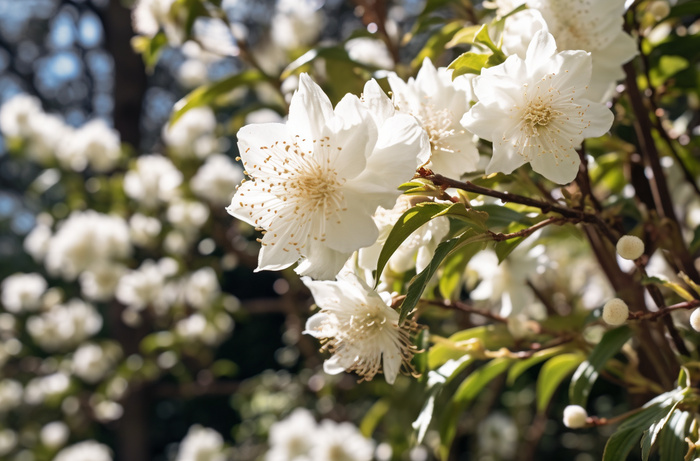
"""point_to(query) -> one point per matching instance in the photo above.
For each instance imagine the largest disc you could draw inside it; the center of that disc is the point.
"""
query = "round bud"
(695, 320)
(615, 312)
(630, 247)
(575, 416)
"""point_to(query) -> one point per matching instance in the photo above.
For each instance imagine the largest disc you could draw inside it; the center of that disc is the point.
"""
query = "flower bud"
(575, 416)
(695, 320)
(630, 247)
(615, 312)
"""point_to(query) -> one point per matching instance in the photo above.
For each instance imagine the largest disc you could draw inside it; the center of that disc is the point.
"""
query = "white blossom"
(535, 110)
(88, 450)
(94, 144)
(99, 281)
(22, 292)
(91, 362)
(149, 16)
(341, 442)
(296, 23)
(292, 438)
(143, 229)
(198, 328)
(187, 215)
(369, 51)
(85, 239)
(37, 242)
(64, 325)
(143, 287)
(54, 434)
(201, 444)
(8, 441)
(192, 134)
(439, 104)
(217, 179)
(498, 435)
(45, 387)
(358, 327)
(154, 180)
(202, 288)
(10, 394)
(16, 115)
(318, 179)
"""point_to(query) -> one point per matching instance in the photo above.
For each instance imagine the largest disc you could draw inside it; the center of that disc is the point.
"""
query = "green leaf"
(467, 391)
(630, 431)
(464, 36)
(468, 63)
(373, 416)
(587, 372)
(523, 365)
(453, 271)
(668, 67)
(149, 48)
(482, 38)
(414, 218)
(493, 337)
(336, 53)
(652, 433)
(206, 94)
(552, 374)
(502, 217)
(672, 444)
(435, 45)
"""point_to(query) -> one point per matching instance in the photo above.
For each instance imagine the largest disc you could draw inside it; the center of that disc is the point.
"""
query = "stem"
(653, 316)
(464, 308)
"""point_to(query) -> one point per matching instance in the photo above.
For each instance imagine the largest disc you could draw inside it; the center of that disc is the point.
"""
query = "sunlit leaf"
(552, 374)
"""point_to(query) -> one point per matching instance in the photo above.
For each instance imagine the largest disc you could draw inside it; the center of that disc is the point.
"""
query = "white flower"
(10, 394)
(154, 180)
(46, 133)
(187, 215)
(94, 144)
(369, 51)
(415, 252)
(64, 325)
(193, 134)
(498, 435)
(575, 416)
(202, 288)
(143, 287)
(143, 229)
(341, 442)
(590, 25)
(8, 441)
(100, 280)
(439, 103)
(201, 444)
(192, 73)
(88, 450)
(16, 115)
(535, 111)
(296, 23)
(149, 16)
(217, 179)
(84, 240)
(44, 387)
(54, 434)
(292, 438)
(22, 292)
(358, 327)
(318, 179)
(196, 327)
(695, 320)
(91, 362)
(38, 241)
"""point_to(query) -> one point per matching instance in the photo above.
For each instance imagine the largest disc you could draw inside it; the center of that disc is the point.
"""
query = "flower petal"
(600, 117)
(253, 205)
(561, 170)
(309, 111)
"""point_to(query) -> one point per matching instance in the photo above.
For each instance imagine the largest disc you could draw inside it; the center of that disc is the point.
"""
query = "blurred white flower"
(143, 229)
(8, 441)
(498, 436)
(91, 362)
(94, 144)
(193, 134)
(318, 179)
(415, 252)
(84, 240)
(370, 52)
(37, 242)
(46, 133)
(534, 110)
(201, 444)
(187, 215)
(192, 73)
(198, 328)
(88, 450)
(202, 288)
(292, 438)
(16, 115)
(296, 23)
(217, 179)
(22, 292)
(439, 103)
(10, 395)
(99, 281)
(341, 442)
(54, 434)
(149, 16)
(154, 180)
(358, 327)
(45, 387)
(143, 287)
(64, 326)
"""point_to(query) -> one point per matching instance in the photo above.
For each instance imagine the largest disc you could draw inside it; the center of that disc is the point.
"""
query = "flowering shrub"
(493, 207)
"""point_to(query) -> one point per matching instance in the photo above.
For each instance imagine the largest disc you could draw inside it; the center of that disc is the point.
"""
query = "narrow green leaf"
(672, 444)
(587, 373)
(453, 271)
(482, 37)
(149, 48)
(336, 53)
(422, 422)
(652, 433)
(552, 374)
(435, 45)
(501, 216)
(468, 63)
(522, 366)
(420, 214)
(467, 391)
(206, 94)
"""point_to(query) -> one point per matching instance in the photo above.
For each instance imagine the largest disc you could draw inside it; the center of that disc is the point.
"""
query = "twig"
(653, 316)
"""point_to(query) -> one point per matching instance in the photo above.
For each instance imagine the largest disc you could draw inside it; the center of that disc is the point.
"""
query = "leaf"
(587, 372)
(435, 45)
(491, 336)
(650, 435)
(337, 53)
(206, 94)
(672, 444)
(467, 391)
(464, 36)
(453, 272)
(420, 214)
(523, 365)
(552, 374)
(695, 243)
(422, 422)
(373, 416)
(149, 48)
(468, 63)
(503, 216)
(630, 431)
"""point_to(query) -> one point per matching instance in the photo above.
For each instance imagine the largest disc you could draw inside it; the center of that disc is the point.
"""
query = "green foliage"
(553, 373)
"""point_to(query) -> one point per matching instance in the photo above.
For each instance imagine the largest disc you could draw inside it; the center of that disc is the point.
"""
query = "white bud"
(659, 9)
(695, 320)
(575, 416)
(630, 247)
(615, 312)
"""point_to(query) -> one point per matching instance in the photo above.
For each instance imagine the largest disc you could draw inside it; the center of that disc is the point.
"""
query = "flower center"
(439, 125)
(538, 113)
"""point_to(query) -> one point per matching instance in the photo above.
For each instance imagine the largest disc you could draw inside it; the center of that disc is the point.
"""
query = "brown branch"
(499, 237)
(466, 308)
(653, 316)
